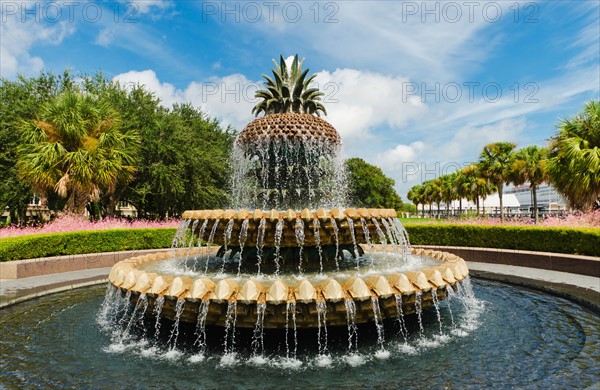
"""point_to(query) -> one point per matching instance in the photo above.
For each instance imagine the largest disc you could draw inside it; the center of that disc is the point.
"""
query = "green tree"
(415, 194)
(475, 186)
(528, 166)
(75, 148)
(184, 159)
(495, 162)
(448, 189)
(19, 101)
(369, 187)
(574, 161)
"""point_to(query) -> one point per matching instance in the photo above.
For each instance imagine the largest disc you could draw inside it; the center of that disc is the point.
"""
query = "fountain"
(290, 255)
(255, 297)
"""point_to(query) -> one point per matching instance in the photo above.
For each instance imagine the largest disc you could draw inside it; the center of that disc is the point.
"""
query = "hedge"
(58, 244)
(581, 241)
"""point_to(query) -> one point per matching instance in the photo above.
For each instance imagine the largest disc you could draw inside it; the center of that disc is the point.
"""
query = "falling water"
(401, 236)
(278, 236)
(351, 322)
(365, 230)
(380, 234)
(242, 240)
(191, 243)
(299, 232)
(378, 322)
(290, 311)
(468, 287)
(419, 311)
(211, 237)
(158, 305)
(281, 173)
(351, 228)
(400, 316)
(175, 331)
(109, 306)
(201, 326)
(322, 326)
(437, 307)
(316, 227)
(138, 315)
(123, 319)
(230, 320)
(389, 234)
(200, 237)
(449, 296)
(258, 341)
(226, 240)
(179, 239)
(260, 242)
(336, 230)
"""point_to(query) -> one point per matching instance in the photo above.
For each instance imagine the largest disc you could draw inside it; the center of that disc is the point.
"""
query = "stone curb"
(18, 269)
(561, 262)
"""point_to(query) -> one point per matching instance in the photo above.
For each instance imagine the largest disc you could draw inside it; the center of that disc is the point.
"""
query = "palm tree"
(289, 91)
(528, 167)
(574, 161)
(75, 148)
(474, 186)
(495, 162)
(449, 193)
(415, 194)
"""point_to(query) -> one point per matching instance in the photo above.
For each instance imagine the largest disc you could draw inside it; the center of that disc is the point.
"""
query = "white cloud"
(401, 38)
(359, 101)
(19, 37)
(230, 98)
(147, 6)
(391, 160)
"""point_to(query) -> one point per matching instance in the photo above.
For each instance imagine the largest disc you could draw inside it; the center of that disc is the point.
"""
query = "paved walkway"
(587, 288)
(583, 281)
(17, 290)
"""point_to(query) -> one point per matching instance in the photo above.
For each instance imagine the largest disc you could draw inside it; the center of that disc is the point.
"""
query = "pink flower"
(71, 223)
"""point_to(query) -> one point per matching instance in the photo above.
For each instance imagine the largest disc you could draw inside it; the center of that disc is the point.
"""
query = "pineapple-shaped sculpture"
(289, 154)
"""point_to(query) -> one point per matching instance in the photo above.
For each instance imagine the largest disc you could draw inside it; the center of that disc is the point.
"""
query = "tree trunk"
(500, 197)
(460, 207)
(535, 207)
(477, 202)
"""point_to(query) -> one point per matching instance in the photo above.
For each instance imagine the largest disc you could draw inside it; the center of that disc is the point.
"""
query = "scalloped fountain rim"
(126, 276)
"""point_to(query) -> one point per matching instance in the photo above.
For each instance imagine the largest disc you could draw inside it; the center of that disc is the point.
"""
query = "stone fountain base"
(217, 302)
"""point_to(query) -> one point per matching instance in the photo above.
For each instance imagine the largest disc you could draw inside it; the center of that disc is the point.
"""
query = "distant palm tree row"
(571, 163)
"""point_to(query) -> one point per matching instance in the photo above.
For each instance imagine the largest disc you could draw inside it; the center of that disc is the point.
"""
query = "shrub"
(582, 241)
(58, 244)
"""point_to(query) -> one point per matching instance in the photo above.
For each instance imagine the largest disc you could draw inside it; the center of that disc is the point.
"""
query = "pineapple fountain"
(288, 255)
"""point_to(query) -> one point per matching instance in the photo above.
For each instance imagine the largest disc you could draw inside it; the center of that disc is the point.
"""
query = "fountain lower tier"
(223, 298)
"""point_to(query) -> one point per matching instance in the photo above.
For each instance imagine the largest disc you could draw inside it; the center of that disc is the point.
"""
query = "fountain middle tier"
(274, 241)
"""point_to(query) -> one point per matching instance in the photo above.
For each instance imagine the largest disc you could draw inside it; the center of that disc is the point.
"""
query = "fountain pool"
(507, 335)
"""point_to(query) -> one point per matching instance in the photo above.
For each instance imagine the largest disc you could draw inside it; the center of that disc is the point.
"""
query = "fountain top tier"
(288, 160)
(288, 126)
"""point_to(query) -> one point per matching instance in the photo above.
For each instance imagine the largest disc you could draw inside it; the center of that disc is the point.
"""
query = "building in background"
(549, 201)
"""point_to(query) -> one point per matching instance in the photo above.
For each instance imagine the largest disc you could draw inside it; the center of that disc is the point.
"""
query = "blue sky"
(415, 87)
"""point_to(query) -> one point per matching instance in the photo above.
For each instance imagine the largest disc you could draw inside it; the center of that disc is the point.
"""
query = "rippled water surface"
(508, 337)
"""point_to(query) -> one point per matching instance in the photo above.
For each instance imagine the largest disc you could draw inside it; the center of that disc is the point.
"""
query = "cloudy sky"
(415, 87)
